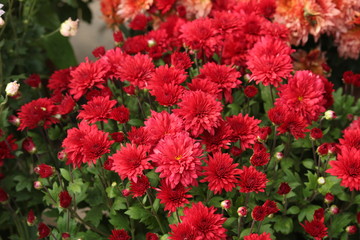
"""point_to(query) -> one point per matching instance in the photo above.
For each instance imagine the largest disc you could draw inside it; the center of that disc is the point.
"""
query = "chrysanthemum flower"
(200, 112)
(120, 114)
(245, 129)
(200, 35)
(258, 213)
(119, 234)
(221, 138)
(221, 173)
(6, 148)
(315, 228)
(173, 198)
(260, 156)
(164, 74)
(347, 167)
(109, 9)
(130, 8)
(168, 94)
(164, 5)
(177, 158)
(254, 236)
(86, 76)
(270, 207)
(139, 187)
(161, 124)
(59, 80)
(269, 61)
(293, 124)
(351, 138)
(113, 58)
(98, 109)
(136, 69)
(207, 224)
(251, 180)
(183, 231)
(130, 161)
(180, 60)
(303, 95)
(39, 112)
(66, 105)
(204, 85)
(85, 144)
(105, 92)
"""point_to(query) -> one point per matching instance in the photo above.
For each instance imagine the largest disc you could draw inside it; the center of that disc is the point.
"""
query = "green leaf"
(283, 225)
(75, 186)
(307, 212)
(23, 183)
(54, 133)
(54, 192)
(59, 50)
(94, 215)
(308, 163)
(65, 174)
(136, 122)
(119, 203)
(339, 222)
(156, 205)
(137, 212)
(293, 210)
(330, 182)
(120, 221)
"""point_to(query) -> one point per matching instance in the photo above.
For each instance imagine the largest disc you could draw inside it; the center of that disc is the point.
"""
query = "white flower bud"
(12, 89)
(69, 28)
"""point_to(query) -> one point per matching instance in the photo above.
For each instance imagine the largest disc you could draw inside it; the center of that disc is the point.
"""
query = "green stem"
(75, 215)
(154, 213)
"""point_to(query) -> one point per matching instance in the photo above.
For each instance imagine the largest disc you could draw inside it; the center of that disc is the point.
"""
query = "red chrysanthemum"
(315, 228)
(164, 5)
(31, 218)
(245, 129)
(139, 22)
(119, 234)
(207, 224)
(200, 35)
(105, 92)
(328, 94)
(204, 85)
(3, 196)
(181, 60)
(86, 76)
(173, 198)
(44, 170)
(177, 158)
(33, 80)
(258, 213)
(134, 45)
(225, 77)
(43, 230)
(98, 109)
(138, 136)
(161, 124)
(7, 146)
(65, 199)
(151, 236)
(351, 138)
(130, 161)
(183, 231)
(113, 58)
(254, 236)
(219, 140)
(303, 95)
(66, 105)
(139, 187)
(221, 173)
(252, 180)
(200, 111)
(347, 167)
(59, 80)
(250, 91)
(293, 124)
(284, 188)
(269, 61)
(39, 112)
(120, 114)
(164, 74)
(167, 94)
(85, 144)
(136, 69)
(98, 52)
(260, 156)
(270, 207)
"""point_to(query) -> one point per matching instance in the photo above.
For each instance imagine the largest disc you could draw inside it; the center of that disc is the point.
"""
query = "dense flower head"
(284, 188)
(269, 61)
(205, 85)
(173, 198)
(347, 167)
(167, 94)
(65, 199)
(85, 144)
(97, 109)
(130, 161)
(59, 80)
(139, 22)
(31, 218)
(200, 111)
(128, 9)
(33, 81)
(201, 222)
(250, 91)
(200, 35)
(316, 133)
(105, 92)
(98, 52)
(164, 74)
(303, 95)
(44, 170)
(161, 124)
(134, 45)
(270, 207)
(351, 137)
(120, 114)
(315, 228)
(43, 230)
(180, 60)
(219, 140)
(293, 124)
(245, 129)
(119, 234)
(221, 173)
(164, 5)
(177, 157)
(260, 157)
(66, 105)
(136, 69)
(87, 76)
(109, 9)
(139, 187)
(254, 236)
(39, 112)
(252, 180)
(259, 213)
(113, 58)
(151, 236)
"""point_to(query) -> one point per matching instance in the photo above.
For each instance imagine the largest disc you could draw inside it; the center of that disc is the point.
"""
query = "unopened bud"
(69, 28)
(38, 185)
(12, 89)
(226, 204)
(329, 115)
(352, 229)
(14, 120)
(279, 156)
(334, 209)
(242, 211)
(321, 181)
(151, 42)
(329, 198)
(65, 236)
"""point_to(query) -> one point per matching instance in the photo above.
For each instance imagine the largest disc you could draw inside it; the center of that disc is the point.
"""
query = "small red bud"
(226, 204)
(352, 229)
(329, 198)
(242, 211)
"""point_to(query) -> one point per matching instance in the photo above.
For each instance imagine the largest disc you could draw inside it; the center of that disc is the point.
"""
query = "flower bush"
(207, 120)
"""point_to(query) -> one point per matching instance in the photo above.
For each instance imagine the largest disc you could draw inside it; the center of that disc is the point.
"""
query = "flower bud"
(242, 211)
(62, 155)
(329, 198)
(329, 115)
(151, 43)
(279, 156)
(29, 145)
(235, 151)
(250, 91)
(284, 188)
(3, 196)
(315, 134)
(12, 89)
(31, 218)
(44, 170)
(334, 209)
(226, 204)
(108, 164)
(33, 81)
(38, 185)
(352, 229)
(14, 120)
(321, 181)
(65, 199)
(263, 134)
(43, 230)
(126, 192)
(118, 37)
(65, 236)
(246, 77)
(151, 236)
(69, 28)
(113, 184)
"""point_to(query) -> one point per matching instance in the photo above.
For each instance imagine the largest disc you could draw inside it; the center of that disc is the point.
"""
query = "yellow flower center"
(178, 157)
